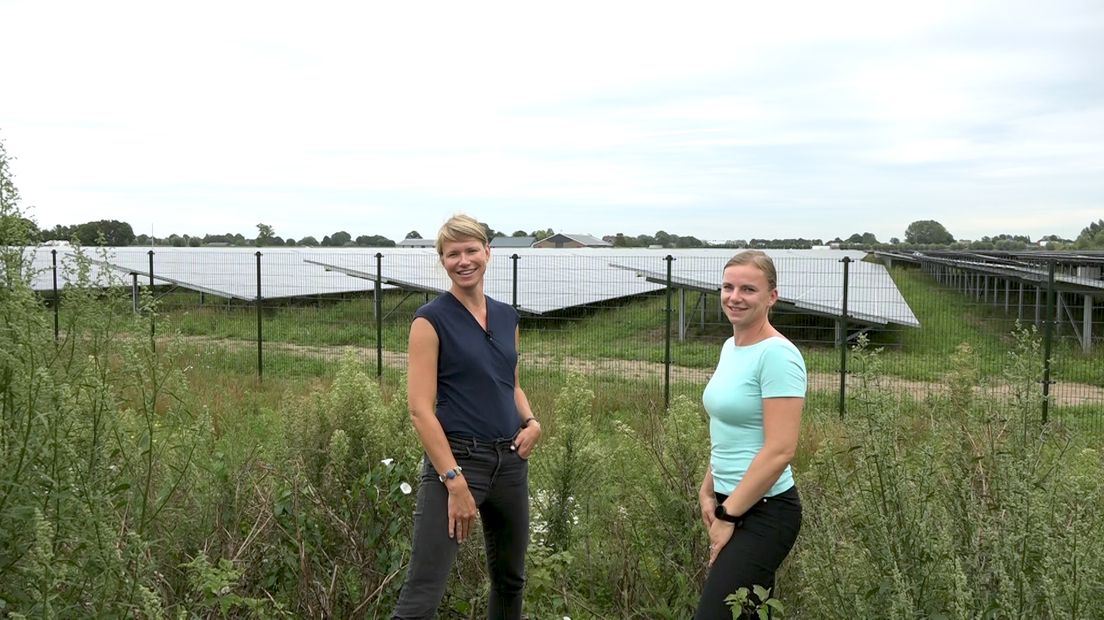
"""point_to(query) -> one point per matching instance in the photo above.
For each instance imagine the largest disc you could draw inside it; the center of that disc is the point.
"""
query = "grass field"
(169, 480)
(632, 332)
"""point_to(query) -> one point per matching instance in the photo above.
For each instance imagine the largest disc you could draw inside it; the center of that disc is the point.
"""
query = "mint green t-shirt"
(771, 368)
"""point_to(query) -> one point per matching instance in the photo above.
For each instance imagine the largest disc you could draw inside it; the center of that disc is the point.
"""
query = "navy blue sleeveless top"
(475, 368)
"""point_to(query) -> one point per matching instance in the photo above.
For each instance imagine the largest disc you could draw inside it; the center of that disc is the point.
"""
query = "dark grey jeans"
(499, 482)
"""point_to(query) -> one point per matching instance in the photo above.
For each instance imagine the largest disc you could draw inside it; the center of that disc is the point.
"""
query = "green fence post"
(1048, 337)
(514, 258)
(153, 335)
(843, 340)
(135, 294)
(379, 315)
(667, 340)
(57, 299)
(260, 334)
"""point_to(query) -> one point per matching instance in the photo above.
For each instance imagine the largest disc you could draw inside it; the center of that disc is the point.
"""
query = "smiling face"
(746, 296)
(465, 261)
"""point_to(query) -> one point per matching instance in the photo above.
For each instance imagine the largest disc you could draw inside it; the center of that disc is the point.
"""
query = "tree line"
(921, 234)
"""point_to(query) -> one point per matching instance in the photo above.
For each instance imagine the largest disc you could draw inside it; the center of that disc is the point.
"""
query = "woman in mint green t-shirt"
(749, 503)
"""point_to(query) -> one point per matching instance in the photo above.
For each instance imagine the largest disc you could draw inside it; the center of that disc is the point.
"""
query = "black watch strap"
(723, 515)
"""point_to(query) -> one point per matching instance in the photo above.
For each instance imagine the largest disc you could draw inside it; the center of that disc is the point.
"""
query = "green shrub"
(956, 507)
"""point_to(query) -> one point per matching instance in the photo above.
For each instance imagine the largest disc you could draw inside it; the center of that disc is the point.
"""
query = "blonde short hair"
(760, 260)
(460, 227)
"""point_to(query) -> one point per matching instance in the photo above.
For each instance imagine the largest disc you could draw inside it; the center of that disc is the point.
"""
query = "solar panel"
(811, 281)
(545, 282)
(548, 280)
(224, 272)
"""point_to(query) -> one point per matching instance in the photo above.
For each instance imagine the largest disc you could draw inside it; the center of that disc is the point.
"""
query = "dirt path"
(1062, 393)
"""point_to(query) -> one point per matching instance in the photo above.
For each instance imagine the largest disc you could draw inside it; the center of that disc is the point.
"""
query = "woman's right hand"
(461, 509)
(708, 505)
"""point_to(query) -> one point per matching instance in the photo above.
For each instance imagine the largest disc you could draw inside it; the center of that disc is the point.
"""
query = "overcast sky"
(731, 120)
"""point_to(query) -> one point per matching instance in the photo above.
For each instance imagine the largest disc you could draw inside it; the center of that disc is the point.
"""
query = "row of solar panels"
(1031, 272)
(538, 281)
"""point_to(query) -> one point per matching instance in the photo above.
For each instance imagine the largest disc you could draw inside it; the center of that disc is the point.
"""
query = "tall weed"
(958, 507)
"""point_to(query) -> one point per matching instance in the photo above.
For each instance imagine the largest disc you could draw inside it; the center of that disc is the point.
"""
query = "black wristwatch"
(720, 513)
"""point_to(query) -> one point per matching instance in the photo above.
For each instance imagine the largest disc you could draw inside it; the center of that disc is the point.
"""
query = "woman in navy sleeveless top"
(477, 428)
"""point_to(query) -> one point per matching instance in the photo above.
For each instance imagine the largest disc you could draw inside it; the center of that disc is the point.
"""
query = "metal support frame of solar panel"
(1068, 257)
(1030, 274)
(539, 291)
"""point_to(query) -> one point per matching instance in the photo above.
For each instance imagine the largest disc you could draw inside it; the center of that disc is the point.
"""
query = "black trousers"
(754, 553)
(499, 482)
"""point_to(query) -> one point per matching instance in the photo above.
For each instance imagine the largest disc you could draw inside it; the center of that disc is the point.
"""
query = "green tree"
(374, 241)
(412, 235)
(520, 233)
(621, 241)
(928, 232)
(9, 195)
(115, 233)
(339, 239)
(266, 235)
(491, 233)
(1092, 236)
(309, 241)
(865, 238)
(14, 228)
(58, 232)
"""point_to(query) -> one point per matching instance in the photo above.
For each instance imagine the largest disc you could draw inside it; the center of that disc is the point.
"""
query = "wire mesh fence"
(649, 322)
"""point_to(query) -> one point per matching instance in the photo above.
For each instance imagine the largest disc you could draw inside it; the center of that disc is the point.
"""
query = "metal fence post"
(514, 258)
(667, 340)
(57, 299)
(135, 293)
(260, 333)
(153, 342)
(843, 340)
(1048, 337)
(379, 315)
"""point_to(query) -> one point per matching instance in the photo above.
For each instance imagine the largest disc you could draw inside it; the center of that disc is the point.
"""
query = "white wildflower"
(387, 462)
(405, 488)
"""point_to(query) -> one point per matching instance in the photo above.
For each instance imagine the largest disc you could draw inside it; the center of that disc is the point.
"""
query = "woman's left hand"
(527, 438)
(719, 535)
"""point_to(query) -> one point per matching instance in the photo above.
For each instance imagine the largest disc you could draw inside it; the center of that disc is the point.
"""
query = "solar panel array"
(1023, 269)
(810, 280)
(224, 272)
(547, 280)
